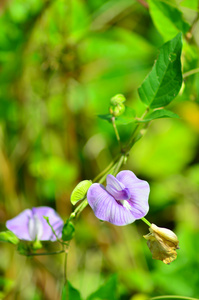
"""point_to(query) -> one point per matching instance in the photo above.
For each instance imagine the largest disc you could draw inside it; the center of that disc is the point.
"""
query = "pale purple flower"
(30, 224)
(122, 201)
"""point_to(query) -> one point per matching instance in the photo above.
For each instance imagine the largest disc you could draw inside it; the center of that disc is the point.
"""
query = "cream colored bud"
(162, 243)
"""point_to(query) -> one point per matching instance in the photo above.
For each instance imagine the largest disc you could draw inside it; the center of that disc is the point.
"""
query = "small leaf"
(68, 231)
(167, 18)
(127, 117)
(80, 191)
(159, 113)
(70, 293)
(106, 117)
(24, 248)
(163, 83)
(108, 291)
(9, 237)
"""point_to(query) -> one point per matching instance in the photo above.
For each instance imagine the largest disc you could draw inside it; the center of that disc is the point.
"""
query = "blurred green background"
(60, 63)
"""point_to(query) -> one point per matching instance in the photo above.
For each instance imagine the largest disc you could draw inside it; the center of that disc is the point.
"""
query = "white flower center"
(35, 228)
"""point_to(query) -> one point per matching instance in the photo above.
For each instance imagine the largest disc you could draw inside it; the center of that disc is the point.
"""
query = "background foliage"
(60, 63)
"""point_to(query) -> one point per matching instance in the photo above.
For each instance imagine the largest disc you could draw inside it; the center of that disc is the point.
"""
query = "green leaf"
(160, 113)
(108, 291)
(163, 83)
(106, 117)
(127, 117)
(80, 191)
(9, 237)
(68, 231)
(193, 4)
(70, 293)
(23, 248)
(167, 18)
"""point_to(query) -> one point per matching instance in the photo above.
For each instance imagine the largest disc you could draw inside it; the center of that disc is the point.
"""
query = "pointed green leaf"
(106, 117)
(163, 83)
(167, 18)
(70, 293)
(9, 237)
(159, 113)
(108, 291)
(80, 191)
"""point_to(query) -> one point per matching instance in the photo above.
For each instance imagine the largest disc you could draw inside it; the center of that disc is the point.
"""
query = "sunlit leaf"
(9, 237)
(193, 4)
(80, 191)
(163, 83)
(167, 18)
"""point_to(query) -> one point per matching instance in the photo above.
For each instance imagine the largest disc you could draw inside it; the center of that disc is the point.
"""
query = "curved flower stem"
(191, 72)
(119, 164)
(172, 297)
(65, 266)
(78, 209)
(146, 221)
(58, 239)
(106, 170)
(43, 253)
(137, 133)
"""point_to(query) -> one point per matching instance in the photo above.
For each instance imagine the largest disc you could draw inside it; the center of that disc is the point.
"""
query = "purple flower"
(30, 224)
(124, 200)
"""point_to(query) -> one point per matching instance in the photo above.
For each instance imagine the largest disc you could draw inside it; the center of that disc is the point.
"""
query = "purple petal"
(106, 208)
(19, 225)
(31, 223)
(118, 195)
(116, 188)
(139, 190)
(111, 180)
(54, 219)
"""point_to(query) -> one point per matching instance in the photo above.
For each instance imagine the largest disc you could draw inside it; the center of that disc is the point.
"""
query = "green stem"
(116, 131)
(43, 253)
(119, 164)
(189, 73)
(172, 297)
(137, 132)
(78, 209)
(106, 170)
(65, 267)
(58, 240)
(146, 221)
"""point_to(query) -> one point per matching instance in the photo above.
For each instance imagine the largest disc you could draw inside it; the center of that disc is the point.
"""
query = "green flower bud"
(68, 231)
(117, 99)
(117, 110)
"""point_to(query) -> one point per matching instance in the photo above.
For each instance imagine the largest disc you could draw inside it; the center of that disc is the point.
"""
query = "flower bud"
(117, 110)
(162, 243)
(117, 99)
